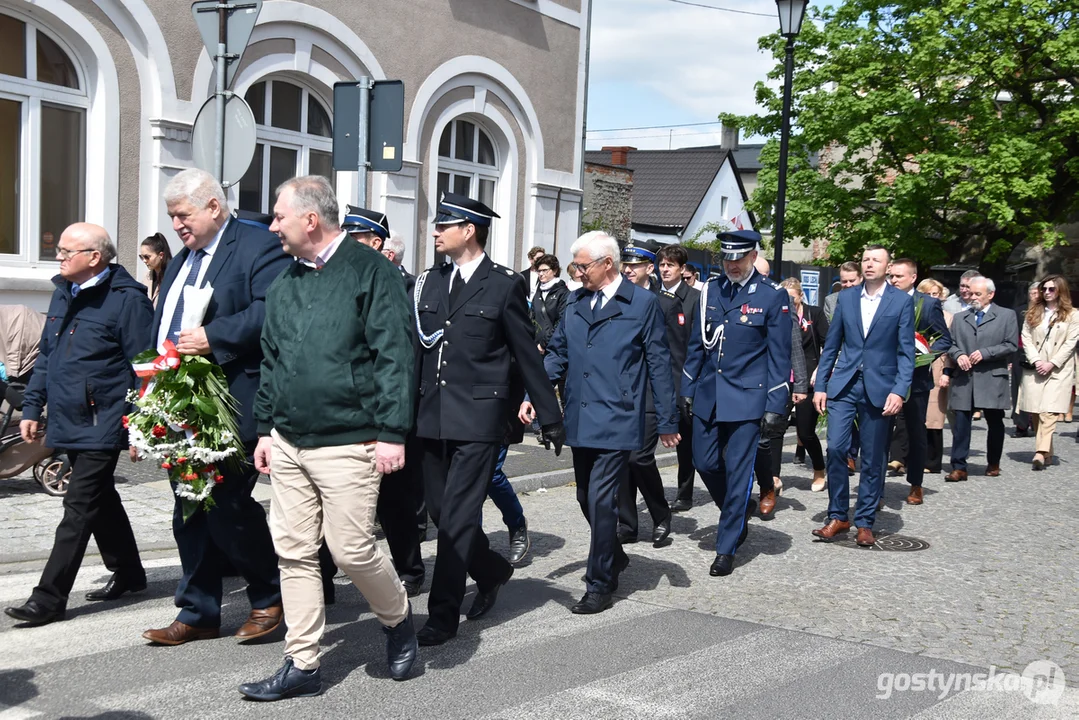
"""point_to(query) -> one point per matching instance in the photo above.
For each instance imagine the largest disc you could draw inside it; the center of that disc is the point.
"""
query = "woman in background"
(813, 326)
(938, 396)
(155, 252)
(550, 299)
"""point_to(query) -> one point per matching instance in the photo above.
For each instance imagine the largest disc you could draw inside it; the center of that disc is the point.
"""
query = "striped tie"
(178, 314)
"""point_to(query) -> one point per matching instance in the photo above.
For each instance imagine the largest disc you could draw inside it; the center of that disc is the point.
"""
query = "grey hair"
(598, 244)
(989, 284)
(396, 245)
(970, 274)
(197, 187)
(98, 239)
(313, 193)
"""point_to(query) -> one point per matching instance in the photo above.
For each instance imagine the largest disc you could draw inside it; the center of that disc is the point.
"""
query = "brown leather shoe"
(261, 621)
(833, 528)
(767, 504)
(865, 537)
(850, 466)
(956, 476)
(992, 471)
(179, 633)
(915, 497)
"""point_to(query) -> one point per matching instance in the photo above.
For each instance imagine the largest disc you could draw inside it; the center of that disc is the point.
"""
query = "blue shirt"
(96, 279)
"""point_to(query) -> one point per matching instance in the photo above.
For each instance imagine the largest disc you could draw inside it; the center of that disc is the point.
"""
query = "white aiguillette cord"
(428, 341)
(718, 333)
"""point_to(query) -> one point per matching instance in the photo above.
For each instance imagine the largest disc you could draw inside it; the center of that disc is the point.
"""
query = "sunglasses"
(1049, 289)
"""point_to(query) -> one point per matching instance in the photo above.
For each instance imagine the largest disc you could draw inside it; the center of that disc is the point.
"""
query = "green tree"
(948, 129)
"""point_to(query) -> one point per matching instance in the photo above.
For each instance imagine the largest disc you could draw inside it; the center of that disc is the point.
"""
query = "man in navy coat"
(239, 261)
(865, 371)
(736, 377)
(610, 339)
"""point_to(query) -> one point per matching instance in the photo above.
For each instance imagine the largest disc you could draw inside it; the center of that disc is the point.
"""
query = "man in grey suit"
(850, 274)
(959, 302)
(984, 339)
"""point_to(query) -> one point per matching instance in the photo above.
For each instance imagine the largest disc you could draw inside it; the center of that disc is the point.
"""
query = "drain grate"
(891, 543)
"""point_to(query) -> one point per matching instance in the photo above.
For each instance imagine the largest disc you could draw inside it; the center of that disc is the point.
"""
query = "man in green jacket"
(333, 408)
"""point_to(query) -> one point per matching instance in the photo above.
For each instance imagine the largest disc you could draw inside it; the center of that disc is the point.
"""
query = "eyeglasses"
(65, 254)
(585, 266)
(543, 270)
(1049, 289)
(145, 258)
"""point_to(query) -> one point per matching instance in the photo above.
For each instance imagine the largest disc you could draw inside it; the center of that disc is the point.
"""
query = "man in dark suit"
(611, 341)
(736, 382)
(393, 247)
(472, 317)
(865, 372)
(929, 323)
(679, 317)
(239, 262)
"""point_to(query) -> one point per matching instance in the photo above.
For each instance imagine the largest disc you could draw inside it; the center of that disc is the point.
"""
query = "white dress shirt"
(607, 291)
(870, 304)
(178, 283)
(466, 271)
(674, 289)
(327, 252)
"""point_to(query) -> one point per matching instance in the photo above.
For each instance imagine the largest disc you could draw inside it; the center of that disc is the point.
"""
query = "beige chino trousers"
(1045, 425)
(331, 492)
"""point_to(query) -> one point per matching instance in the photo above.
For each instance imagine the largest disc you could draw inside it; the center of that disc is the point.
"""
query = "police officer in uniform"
(472, 317)
(638, 264)
(735, 379)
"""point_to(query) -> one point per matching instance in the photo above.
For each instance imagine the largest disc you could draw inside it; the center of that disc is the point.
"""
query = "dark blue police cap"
(359, 220)
(456, 208)
(737, 243)
(632, 254)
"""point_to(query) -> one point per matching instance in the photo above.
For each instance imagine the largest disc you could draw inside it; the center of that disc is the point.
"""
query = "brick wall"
(608, 199)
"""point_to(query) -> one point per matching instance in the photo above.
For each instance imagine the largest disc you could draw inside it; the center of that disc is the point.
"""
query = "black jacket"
(680, 311)
(84, 370)
(547, 312)
(464, 385)
(813, 329)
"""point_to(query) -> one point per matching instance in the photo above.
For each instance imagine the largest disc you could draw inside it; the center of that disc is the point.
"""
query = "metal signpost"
(226, 29)
(368, 128)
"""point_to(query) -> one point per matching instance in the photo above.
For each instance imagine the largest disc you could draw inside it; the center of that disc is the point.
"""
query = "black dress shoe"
(32, 613)
(661, 531)
(401, 647)
(519, 544)
(486, 600)
(289, 681)
(592, 603)
(625, 537)
(413, 587)
(117, 586)
(681, 506)
(723, 565)
(429, 636)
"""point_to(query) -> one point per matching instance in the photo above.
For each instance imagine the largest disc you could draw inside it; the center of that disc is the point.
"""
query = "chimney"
(728, 138)
(619, 155)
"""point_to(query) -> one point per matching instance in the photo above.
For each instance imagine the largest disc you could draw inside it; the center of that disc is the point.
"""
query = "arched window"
(467, 162)
(294, 138)
(43, 107)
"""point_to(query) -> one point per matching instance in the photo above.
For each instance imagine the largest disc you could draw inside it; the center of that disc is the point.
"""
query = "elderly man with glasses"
(98, 320)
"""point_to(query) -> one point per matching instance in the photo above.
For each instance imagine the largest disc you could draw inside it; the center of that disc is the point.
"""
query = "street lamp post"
(791, 14)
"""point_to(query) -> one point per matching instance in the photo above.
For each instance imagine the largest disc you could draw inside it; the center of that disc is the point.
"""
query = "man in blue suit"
(865, 369)
(736, 378)
(239, 261)
(610, 339)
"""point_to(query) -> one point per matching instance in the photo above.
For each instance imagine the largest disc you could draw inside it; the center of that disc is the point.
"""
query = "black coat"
(465, 378)
(547, 312)
(680, 311)
(812, 332)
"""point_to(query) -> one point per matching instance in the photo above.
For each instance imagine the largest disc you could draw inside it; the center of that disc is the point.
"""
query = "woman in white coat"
(1050, 334)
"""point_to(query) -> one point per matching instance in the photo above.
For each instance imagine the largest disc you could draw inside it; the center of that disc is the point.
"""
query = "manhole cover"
(893, 543)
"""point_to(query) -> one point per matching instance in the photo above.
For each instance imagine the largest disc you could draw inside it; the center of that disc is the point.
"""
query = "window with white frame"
(467, 162)
(43, 106)
(294, 138)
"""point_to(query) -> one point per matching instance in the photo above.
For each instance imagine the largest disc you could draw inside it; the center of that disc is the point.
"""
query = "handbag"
(1026, 364)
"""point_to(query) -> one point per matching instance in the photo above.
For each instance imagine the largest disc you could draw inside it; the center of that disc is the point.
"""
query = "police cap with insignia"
(632, 254)
(737, 244)
(360, 220)
(456, 209)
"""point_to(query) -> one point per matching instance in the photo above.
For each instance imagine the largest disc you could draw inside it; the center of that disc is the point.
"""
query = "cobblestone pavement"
(995, 588)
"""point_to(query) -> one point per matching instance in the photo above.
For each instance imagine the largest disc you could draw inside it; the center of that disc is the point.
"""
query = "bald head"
(84, 250)
(93, 236)
(762, 265)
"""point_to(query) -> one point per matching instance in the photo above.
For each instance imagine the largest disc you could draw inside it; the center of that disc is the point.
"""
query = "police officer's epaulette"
(500, 269)
(771, 283)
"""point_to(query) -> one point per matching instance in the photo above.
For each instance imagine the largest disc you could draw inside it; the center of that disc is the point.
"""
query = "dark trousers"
(599, 474)
(934, 457)
(456, 476)
(724, 453)
(400, 501)
(805, 420)
(769, 460)
(910, 442)
(994, 420)
(686, 471)
(91, 507)
(644, 476)
(873, 433)
(233, 534)
(504, 496)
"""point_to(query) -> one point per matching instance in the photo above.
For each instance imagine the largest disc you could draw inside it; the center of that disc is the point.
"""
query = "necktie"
(597, 305)
(733, 290)
(178, 314)
(456, 283)
(978, 317)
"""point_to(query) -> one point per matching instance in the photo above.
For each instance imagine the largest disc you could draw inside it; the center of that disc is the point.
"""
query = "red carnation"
(125, 421)
(219, 479)
(211, 468)
(159, 431)
(166, 466)
(181, 459)
(191, 477)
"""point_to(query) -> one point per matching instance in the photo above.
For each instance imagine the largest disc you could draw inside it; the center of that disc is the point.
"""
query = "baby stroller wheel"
(55, 475)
